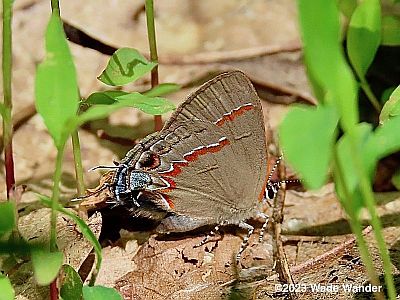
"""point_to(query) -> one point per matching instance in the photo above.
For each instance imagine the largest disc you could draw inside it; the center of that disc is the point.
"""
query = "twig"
(282, 90)
(311, 263)
(79, 37)
(277, 219)
(224, 56)
(327, 256)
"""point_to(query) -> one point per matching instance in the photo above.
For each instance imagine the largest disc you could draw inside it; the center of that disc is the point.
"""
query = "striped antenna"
(272, 188)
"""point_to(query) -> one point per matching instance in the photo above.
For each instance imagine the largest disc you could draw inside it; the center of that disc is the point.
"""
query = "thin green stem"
(55, 6)
(376, 225)
(151, 34)
(55, 198)
(7, 54)
(369, 201)
(370, 95)
(356, 226)
(7, 78)
(76, 148)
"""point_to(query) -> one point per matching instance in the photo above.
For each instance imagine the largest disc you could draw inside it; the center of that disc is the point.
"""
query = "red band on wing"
(234, 113)
(169, 201)
(191, 156)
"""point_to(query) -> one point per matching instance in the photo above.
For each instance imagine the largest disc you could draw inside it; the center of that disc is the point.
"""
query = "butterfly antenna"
(290, 181)
(274, 168)
(272, 188)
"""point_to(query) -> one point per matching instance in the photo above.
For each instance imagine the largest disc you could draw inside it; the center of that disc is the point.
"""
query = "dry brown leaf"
(175, 269)
(35, 227)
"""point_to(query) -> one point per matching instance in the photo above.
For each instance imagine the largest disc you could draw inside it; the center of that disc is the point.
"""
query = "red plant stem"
(154, 81)
(55, 8)
(7, 92)
(151, 33)
(9, 164)
(53, 290)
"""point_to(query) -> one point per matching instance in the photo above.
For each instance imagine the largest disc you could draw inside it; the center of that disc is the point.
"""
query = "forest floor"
(196, 40)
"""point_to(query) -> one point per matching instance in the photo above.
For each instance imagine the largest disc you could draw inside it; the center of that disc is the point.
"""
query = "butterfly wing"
(211, 155)
(231, 102)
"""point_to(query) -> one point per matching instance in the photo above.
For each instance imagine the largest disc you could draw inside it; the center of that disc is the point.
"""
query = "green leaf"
(46, 265)
(126, 65)
(7, 219)
(100, 293)
(371, 146)
(314, 129)
(364, 35)
(390, 31)
(386, 138)
(347, 7)
(110, 101)
(364, 142)
(2, 110)
(7, 291)
(84, 228)
(149, 105)
(93, 113)
(56, 88)
(162, 89)
(104, 98)
(386, 94)
(396, 179)
(329, 74)
(71, 283)
(391, 107)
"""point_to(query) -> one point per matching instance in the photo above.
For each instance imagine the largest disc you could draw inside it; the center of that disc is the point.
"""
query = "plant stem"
(369, 201)
(76, 148)
(53, 218)
(53, 290)
(370, 95)
(376, 225)
(55, 6)
(7, 78)
(55, 198)
(355, 225)
(151, 33)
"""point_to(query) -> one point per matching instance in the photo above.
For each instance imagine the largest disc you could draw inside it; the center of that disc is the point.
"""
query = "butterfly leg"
(208, 236)
(264, 227)
(244, 244)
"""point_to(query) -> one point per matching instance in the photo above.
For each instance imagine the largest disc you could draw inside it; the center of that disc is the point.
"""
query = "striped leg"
(262, 231)
(245, 241)
(208, 236)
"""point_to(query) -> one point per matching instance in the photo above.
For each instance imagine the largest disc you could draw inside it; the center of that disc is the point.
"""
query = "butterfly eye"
(148, 160)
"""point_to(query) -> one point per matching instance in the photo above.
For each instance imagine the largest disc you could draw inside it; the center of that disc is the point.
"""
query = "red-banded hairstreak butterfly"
(207, 166)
